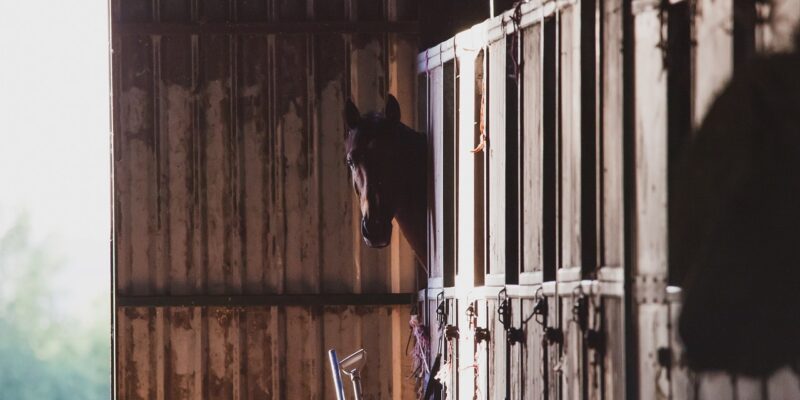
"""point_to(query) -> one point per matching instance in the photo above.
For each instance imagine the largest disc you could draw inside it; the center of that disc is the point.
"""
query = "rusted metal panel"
(227, 174)
(163, 352)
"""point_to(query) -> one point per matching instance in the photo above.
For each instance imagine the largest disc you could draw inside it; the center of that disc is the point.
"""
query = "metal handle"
(336, 373)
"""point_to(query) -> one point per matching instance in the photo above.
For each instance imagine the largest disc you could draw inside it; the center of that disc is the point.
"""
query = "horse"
(737, 213)
(387, 162)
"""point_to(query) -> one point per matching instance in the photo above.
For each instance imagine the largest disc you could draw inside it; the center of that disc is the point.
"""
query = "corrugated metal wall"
(229, 184)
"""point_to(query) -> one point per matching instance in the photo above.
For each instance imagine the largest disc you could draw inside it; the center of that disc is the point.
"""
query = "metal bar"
(336, 374)
(242, 28)
(305, 299)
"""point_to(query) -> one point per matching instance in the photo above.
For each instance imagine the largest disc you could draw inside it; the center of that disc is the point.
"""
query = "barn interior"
(570, 197)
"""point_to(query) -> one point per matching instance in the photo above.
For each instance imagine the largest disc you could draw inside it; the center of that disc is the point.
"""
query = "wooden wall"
(230, 193)
(608, 90)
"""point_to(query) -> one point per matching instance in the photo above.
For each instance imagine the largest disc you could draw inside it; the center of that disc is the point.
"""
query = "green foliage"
(45, 355)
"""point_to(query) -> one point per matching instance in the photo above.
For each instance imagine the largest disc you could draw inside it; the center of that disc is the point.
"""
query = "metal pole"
(337, 376)
(356, 377)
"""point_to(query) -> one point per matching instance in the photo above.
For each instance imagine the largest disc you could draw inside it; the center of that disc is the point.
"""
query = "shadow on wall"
(737, 214)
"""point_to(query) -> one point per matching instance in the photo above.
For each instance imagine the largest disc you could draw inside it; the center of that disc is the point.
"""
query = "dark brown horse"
(387, 162)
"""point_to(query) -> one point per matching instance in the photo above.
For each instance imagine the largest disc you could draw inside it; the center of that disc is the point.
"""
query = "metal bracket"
(515, 335)
(451, 332)
(554, 335)
(482, 335)
(650, 289)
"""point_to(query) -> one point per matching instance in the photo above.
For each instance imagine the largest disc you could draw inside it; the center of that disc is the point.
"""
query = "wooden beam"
(305, 299)
(250, 28)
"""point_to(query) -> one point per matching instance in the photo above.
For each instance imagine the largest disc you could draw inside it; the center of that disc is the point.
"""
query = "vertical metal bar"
(337, 375)
(357, 385)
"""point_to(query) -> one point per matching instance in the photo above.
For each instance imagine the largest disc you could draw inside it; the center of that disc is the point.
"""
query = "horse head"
(371, 144)
(387, 162)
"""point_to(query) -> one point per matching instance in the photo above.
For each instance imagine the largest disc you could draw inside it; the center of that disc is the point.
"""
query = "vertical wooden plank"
(570, 123)
(402, 382)
(224, 352)
(572, 349)
(681, 383)
(531, 364)
(713, 54)
(298, 150)
(715, 385)
(137, 197)
(611, 115)
(253, 122)
(515, 373)
(303, 362)
(258, 355)
(368, 84)
(651, 198)
(465, 179)
(497, 353)
(336, 196)
(175, 105)
(402, 50)
(276, 206)
(184, 379)
(342, 332)
(484, 349)
(554, 367)
(139, 374)
(595, 357)
(377, 340)
(497, 160)
(123, 351)
(435, 188)
(214, 53)
(452, 350)
(532, 149)
(465, 279)
(653, 335)
(614, 364)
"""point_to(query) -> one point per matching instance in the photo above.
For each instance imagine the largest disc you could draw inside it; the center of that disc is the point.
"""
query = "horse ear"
(351, 114)
(392, 111)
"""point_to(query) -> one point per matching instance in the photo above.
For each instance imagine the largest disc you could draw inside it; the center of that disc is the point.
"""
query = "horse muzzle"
(376, 232)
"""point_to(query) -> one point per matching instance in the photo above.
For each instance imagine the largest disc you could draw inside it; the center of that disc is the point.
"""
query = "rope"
(419, 353)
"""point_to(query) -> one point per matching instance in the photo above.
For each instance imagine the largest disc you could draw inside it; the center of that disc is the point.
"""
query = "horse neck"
(411, 214)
